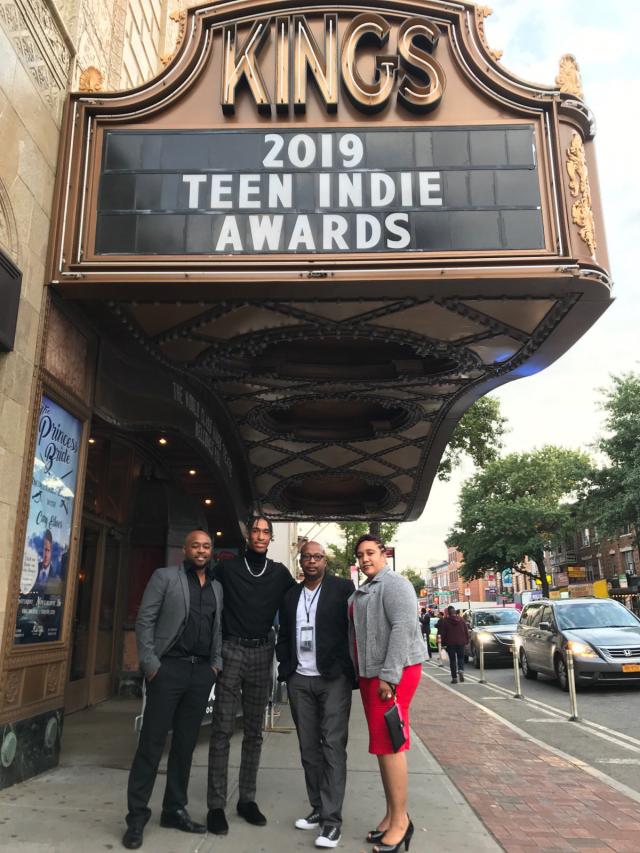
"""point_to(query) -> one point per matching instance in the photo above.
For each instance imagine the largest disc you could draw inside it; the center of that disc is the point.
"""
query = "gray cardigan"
(163, 615)
(387, 632)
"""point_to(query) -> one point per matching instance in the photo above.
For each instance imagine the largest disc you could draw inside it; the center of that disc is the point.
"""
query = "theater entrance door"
(95, 617)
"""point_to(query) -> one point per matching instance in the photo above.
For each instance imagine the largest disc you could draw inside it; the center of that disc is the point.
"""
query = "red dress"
(375, 707)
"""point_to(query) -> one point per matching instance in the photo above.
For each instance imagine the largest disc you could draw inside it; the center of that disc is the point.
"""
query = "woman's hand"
(385, 690)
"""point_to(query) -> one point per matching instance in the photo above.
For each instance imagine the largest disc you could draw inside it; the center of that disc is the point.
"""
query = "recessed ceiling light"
(208, 501)
(162, 441)
(193, 472)
(92, 441)
(218, 532)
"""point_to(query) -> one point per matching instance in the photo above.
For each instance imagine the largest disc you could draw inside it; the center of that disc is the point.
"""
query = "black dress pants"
(176, 699)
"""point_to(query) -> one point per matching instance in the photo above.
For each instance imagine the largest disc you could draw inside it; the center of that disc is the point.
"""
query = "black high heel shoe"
(375, 835)
(395, 848)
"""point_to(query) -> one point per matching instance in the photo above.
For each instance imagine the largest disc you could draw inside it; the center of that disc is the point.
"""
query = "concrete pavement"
(79, 807)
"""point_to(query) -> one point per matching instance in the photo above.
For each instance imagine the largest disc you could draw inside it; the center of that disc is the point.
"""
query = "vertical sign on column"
(46, 549)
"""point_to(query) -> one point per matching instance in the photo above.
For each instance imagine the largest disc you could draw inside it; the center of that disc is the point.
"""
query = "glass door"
(92, 662)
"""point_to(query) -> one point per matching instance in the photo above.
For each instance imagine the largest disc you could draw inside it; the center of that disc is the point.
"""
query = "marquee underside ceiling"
(342, 405)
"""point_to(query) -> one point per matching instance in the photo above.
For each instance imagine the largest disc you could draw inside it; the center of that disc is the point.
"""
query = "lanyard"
(307, 610)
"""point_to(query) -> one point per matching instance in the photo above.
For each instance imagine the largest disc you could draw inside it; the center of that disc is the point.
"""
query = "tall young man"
(254, 587)
(179, 639)
(313, 650)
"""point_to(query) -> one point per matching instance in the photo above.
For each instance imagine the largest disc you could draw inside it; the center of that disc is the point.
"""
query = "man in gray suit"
(179, 639)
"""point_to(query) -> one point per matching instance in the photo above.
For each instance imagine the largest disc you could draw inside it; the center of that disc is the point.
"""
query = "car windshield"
(497, 617)
(604, 614)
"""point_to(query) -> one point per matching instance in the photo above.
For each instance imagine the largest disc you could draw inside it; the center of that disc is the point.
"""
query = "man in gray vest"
(179, 639)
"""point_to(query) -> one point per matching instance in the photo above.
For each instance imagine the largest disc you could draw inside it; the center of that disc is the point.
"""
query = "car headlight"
(582, 650)
(485, 637)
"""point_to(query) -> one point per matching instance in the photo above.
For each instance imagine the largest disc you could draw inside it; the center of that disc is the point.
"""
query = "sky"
(559, 405)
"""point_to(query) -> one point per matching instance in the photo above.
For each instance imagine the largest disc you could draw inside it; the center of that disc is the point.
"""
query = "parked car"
(604, 638)
(494, 628)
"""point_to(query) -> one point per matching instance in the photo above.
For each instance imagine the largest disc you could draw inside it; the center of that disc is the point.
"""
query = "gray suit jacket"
(387, 631)
(163, 615)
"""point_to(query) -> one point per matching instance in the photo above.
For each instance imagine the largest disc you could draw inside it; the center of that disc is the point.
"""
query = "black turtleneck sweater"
(251, 602)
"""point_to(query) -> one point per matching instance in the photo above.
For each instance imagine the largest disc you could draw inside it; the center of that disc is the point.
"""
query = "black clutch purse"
(395, 725)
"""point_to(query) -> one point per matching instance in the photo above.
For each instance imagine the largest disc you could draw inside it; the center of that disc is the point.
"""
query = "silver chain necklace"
(261, 572)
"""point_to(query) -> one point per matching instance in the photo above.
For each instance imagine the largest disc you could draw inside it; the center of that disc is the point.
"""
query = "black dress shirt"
(196, 637)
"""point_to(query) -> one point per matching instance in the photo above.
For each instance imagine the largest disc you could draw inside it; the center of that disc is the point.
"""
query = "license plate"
(631, 667)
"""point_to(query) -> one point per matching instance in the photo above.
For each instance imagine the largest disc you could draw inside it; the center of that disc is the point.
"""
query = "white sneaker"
(330, 837)
(311, 821)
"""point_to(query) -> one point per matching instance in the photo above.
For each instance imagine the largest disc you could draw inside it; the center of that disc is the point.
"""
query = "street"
(603, 738)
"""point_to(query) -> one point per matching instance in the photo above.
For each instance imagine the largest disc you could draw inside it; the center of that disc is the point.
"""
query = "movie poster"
(46, 551)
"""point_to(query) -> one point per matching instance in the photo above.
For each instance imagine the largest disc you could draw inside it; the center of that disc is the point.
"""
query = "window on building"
(584, 537)
(629, 564)
(589, 571)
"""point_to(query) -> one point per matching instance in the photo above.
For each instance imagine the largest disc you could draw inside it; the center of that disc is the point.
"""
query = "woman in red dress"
(388, 654)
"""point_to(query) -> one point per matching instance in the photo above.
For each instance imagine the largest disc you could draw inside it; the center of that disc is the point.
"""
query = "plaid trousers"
(245, 678)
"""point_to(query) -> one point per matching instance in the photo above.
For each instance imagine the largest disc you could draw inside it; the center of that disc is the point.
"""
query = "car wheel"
(529, 673)
(476, 656)
(561, 674)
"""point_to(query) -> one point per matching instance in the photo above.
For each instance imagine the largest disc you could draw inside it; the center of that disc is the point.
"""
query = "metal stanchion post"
(482, 640)
(516, 669)
(571, 679)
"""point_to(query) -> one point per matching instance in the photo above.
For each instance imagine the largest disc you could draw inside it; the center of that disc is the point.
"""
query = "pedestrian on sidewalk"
(179, 640)
(386, 642)
(254, 587)
(313, 651)
(425, 624)
(455, 636)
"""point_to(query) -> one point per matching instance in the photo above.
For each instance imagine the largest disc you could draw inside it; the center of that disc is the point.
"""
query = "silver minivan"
(604, 638)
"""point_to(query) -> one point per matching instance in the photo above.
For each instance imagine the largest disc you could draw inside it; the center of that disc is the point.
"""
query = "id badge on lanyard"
(306, 638)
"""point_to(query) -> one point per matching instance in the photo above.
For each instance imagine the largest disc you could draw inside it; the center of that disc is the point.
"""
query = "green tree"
(516, 507)
(613, 496)
(416, 579)
(341, 557)
(478, 436)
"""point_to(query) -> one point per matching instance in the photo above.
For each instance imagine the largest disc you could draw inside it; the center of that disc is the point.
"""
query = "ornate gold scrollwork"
(581, 211)
(91, 80)
(483, 12)
(568, 79)
(179, 17)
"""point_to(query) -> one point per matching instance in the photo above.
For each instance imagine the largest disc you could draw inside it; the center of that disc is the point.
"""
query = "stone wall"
(35, 59)
(44, 47)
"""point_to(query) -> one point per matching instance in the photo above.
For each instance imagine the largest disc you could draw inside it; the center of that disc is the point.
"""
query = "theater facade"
(278, 273)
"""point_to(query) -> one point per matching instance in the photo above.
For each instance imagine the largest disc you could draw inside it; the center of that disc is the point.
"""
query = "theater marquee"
(349, 223)
(362, 190)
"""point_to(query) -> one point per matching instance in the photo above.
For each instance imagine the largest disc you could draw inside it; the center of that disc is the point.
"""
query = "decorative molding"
(42, 46)
(12, 684)
(581, 210)
(483, 12)
(568, 80)
(8, 228)
(52, 680)
(91, 80)
(179, 17)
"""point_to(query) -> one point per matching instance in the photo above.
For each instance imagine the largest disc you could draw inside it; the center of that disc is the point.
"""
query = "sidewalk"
(474, 779)
(529, 796)
(80, 806)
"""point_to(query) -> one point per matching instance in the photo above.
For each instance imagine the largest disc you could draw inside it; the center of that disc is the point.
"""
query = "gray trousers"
(320, 708)
(245, 680)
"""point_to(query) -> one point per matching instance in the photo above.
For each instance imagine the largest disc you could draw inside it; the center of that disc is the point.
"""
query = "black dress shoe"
(251, 813)
(217, 822)
(132, 839)
(180, 820)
